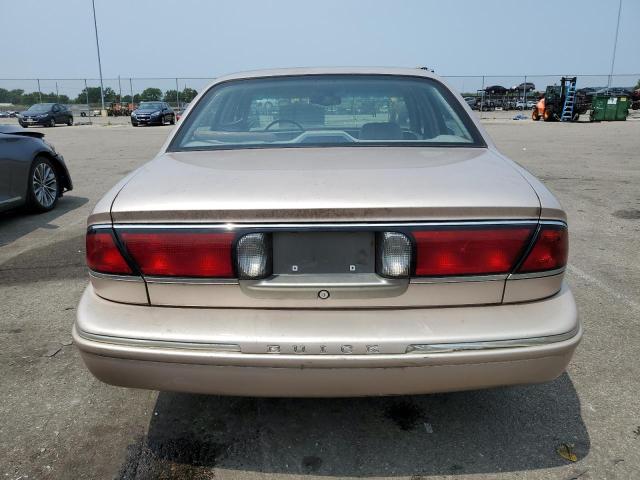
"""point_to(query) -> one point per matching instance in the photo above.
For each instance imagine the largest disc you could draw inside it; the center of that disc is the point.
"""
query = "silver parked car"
(32, 173)
(363, 236)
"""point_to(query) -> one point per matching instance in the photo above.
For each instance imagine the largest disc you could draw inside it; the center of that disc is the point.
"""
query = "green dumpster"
(609, 108)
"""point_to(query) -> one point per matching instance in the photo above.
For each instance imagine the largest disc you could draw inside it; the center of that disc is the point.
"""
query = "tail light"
(181, 253)
(394, 255)
(549, 252)
(253, 255)
(429, 252)
(464, 251)
(103, 255)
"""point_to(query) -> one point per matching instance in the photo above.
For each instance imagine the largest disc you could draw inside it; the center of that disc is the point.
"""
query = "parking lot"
(57, 421)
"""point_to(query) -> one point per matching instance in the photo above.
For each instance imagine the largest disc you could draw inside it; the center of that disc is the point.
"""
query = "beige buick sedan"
(327, 232)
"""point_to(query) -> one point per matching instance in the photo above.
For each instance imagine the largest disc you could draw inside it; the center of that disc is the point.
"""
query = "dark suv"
(47, 114)
(150, 113)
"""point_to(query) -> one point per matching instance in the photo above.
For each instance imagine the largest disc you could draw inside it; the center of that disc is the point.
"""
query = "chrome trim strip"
(191, 280)
(122, 278)
(411, 350)
(344, 225)
(491, 345)
(316, 226)
(553, 222)
(10, 200)
(137, 342)
(470, 278)
(235, 281)
(548, 273)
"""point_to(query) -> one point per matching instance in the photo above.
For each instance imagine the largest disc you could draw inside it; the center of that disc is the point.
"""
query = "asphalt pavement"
(57, 421)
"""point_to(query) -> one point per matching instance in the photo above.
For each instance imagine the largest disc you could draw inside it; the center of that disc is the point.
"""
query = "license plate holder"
(299, 253)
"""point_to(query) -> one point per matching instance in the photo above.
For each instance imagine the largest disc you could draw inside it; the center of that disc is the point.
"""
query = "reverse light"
(550, 251)
(103, 255)
(394, 254)
(469, 251)
(181, 253)
(253, 258)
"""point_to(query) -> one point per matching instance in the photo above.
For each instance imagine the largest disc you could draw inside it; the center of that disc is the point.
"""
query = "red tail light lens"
(464, 251)
(550, 251)
(103, 254)
(181, 254)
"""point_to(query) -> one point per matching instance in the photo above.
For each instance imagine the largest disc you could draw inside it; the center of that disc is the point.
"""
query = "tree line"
(91, 95)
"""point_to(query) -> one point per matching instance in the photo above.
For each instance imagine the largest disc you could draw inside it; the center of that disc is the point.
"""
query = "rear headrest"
(381, 131)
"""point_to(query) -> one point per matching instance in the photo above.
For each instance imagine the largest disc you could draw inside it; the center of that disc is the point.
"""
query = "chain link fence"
(83, 95)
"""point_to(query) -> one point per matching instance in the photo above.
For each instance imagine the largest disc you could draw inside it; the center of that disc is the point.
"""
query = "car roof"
(301, 71)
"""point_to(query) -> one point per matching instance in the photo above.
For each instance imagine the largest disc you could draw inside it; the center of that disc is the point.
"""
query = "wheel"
(44, 188)
(70, 121)
(83, 114)
(51, 122)
(135, 124)
(535, 115)
(23, 125)
(173, 120)
(548, 115)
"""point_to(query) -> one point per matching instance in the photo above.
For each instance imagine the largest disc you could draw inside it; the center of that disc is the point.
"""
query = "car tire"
(535, 115)
(51, 122)
(70, 121)
(23, 125)
(173, 120)
(44, 186)
(135, 124)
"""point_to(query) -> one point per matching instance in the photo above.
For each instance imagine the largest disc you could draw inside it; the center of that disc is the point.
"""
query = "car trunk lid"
(326, 184)
(320, 190)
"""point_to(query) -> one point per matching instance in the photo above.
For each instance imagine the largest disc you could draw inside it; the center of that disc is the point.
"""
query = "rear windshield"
(40, 107)
(326, 110)
(150, 105)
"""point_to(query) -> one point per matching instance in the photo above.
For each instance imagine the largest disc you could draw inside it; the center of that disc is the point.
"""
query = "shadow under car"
(486, 431)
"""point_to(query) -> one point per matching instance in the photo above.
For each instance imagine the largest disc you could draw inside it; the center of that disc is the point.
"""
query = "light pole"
(177, 95)
(95, 25)
(615, 46)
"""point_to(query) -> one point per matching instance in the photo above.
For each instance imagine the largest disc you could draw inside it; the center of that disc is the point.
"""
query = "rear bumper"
(35, 123)
(226, 368)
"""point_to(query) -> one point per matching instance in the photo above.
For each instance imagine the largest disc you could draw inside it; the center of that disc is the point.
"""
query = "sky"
(197, 38)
